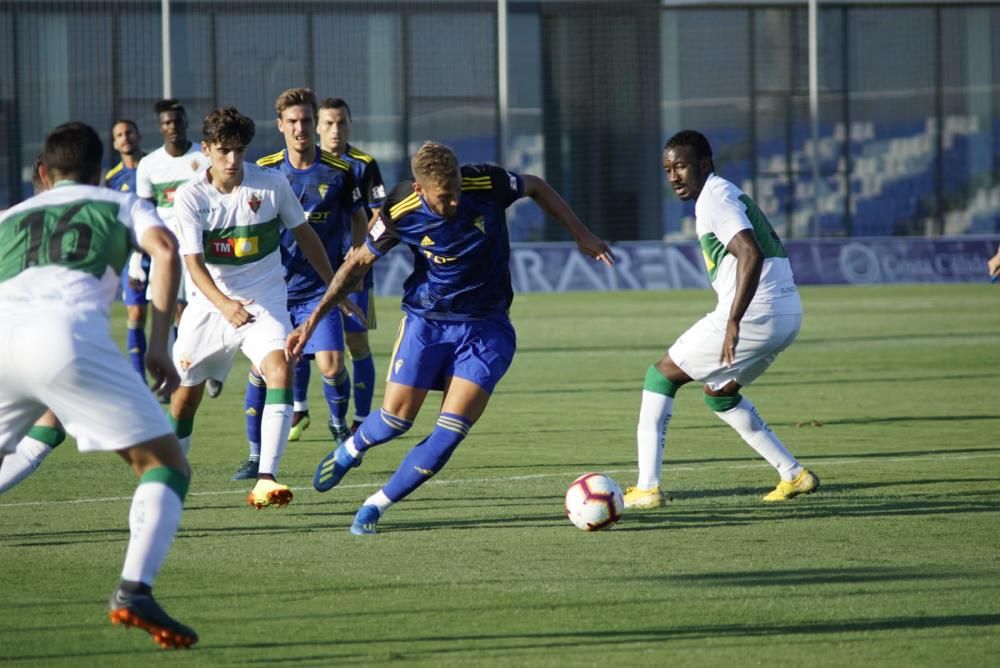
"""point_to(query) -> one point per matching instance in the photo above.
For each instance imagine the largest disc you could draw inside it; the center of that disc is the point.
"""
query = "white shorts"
(697, 350)
(67, 362)
(206, 343)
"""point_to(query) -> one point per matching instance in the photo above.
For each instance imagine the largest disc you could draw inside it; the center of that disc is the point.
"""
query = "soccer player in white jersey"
(166, 169)
(47, 433)
(230, 219)
(757, 316)
(61, 254)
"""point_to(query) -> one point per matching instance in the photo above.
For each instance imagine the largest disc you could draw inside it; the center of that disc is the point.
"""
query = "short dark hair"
(36, 174)
(336, 103)
(226, 124)
(135, 126)
(73, 151)
(169, 104)
(692, 139)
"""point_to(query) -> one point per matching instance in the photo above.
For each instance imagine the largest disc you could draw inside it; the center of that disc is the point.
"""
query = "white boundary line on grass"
(566, 474)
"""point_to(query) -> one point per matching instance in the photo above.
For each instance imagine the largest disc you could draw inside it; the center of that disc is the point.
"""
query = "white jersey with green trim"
(239, 233)
(721, 212)
(68, 245)
(160, 174)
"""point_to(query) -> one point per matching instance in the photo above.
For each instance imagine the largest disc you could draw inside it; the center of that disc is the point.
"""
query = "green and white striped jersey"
(160, 174)
(723, 211)
(239, 232)
(69, 244)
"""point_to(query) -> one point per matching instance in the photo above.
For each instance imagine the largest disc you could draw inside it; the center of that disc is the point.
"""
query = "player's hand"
(994, 266)
(137, 276)
(235, 314)
(593, 246)
(295, 342)
(163, 372)
(352, 310)
(728, 355)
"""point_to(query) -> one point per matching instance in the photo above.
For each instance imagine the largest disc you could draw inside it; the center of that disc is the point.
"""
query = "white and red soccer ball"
(594, 502)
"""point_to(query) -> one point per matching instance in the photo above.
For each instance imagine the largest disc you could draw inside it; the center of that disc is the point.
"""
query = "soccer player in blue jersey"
(326, 187)
(334, 136)
(456, 335)
(128, 142)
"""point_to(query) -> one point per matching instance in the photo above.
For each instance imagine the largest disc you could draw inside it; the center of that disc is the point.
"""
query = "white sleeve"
(141, 216)
(289, 207)
(726, 215)
(186, 222)
(143, 186)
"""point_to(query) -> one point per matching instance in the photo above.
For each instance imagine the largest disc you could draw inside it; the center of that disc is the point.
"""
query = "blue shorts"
(329, 333)
(428, 352)
(135, 297)
(366, 302)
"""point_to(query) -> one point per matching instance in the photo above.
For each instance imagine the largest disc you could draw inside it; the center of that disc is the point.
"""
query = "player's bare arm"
(359, 230)
(749, 262)
(161, 246)
(994, 265)
(554, 205)
(354, 267)
(232, 309)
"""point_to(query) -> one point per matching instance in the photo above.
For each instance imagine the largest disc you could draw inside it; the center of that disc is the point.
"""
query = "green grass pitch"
(889, 395)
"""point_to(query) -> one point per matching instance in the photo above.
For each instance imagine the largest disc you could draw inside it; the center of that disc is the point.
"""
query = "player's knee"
(720, 403)
(357, 344)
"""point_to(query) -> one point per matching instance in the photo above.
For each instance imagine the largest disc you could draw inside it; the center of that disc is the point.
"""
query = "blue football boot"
(333, 467)
(365, 521)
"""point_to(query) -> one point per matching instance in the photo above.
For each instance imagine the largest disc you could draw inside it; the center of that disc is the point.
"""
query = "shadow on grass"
(428, 647)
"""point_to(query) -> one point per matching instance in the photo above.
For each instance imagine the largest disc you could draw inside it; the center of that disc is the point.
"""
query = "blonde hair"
(295, 97)
(435, 163)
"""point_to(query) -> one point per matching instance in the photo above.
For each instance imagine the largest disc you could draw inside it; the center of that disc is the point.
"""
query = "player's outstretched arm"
(161, 246)
(354, 267)
(553, 204)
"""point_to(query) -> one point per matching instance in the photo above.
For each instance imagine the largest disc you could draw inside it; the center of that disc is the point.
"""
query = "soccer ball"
(594, 502)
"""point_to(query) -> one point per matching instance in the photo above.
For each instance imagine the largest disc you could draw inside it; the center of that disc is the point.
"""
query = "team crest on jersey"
(322, 188)
(254, 202)
(185, 362)
(195, 165)
(426, 241)
(480, 224)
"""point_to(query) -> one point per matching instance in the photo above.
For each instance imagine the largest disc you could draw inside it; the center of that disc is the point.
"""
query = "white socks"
(380, 501)
(654, 417)
(22, 462)
(752, 429)
(153, 520)
(275, 422)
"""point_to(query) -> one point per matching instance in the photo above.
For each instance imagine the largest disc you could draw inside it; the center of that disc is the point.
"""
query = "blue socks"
(300, 386)
(427, 457)
(364, 386)
(254, 408)
(379, 428)
(135, 339)
(337, 390)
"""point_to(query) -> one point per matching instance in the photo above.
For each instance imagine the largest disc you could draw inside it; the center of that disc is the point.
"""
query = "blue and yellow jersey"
(461, 266)
(369, 178)
(329, 194)
(121, 178)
